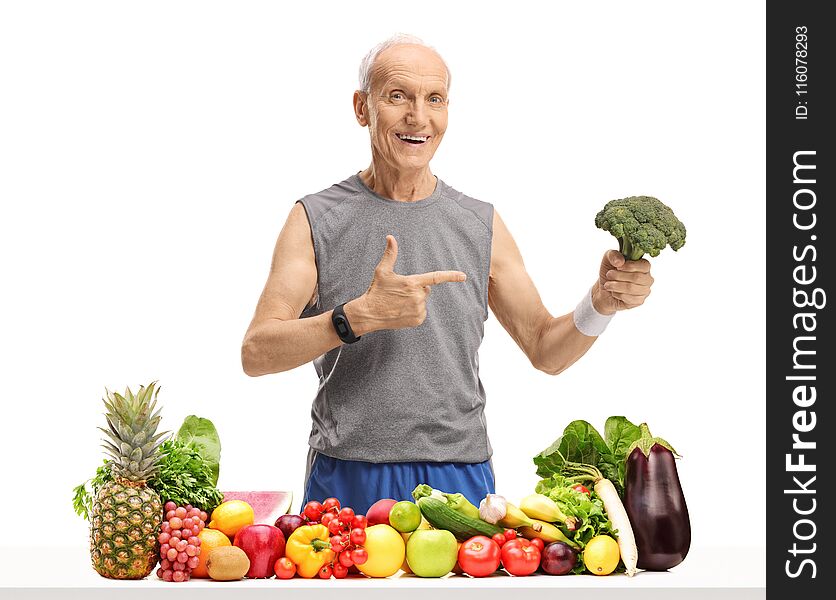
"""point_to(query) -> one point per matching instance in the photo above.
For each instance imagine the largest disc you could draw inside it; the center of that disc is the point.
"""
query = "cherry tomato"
(340, 572)
(539, 543)
(313, 510)
(520, 557)
(359, 556)
(327, 517)
(345, 559)
(358, 536)
(499, 538)
(359, 521)
(336, 544)
(480, 556)
(347, 515)
(345, 539)
(580, 488)
(284, 568)
(510, 534)
(329, 504)
(334, 526)
(326, 571)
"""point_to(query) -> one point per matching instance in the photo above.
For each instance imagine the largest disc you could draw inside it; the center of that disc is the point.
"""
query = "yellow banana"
(514, 517)
(538, 506)
(546, 532)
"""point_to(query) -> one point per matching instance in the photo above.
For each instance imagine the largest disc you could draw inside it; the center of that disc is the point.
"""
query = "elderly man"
(400, 401)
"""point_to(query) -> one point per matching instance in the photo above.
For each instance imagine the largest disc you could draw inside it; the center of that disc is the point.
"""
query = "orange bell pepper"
(309, 547)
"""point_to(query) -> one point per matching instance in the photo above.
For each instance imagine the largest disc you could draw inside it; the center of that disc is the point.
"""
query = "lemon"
(231, 516)
(601, 555)
(386, 550)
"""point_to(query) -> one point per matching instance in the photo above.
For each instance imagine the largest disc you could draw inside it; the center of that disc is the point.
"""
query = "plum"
(289, 523)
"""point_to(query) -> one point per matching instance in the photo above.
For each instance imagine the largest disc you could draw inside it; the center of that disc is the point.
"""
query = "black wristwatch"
(342, 325)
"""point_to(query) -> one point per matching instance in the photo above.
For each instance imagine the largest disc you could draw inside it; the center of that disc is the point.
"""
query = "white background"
(150, 153)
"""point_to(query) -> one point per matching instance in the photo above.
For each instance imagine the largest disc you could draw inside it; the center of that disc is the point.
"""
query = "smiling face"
(406, 109)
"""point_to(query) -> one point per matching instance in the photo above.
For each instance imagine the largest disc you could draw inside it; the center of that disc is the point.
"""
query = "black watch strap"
(342, 326)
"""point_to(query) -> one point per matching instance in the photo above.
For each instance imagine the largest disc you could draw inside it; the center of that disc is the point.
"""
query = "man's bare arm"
(550, 343)
(277, 339)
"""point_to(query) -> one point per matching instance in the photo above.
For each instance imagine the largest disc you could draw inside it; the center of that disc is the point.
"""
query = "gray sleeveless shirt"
(409, 394)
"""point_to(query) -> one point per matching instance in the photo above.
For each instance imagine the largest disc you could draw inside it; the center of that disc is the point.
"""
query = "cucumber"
(441, 516)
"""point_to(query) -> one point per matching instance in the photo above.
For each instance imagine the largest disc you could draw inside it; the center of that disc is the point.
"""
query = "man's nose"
(417, 113)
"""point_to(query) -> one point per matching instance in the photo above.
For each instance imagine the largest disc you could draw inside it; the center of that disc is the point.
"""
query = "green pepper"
(455, 501)
(462, 505)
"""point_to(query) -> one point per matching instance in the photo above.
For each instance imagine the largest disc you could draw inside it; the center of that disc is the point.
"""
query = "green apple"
(431, 552)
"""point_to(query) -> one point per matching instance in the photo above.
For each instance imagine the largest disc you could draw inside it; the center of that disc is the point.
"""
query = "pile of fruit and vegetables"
(605, 504)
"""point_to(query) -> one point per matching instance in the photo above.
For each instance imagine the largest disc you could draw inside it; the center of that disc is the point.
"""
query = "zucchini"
(441, 516)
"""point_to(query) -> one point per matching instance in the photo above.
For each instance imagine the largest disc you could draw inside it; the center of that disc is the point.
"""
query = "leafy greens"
(589, 509)
(188, 472)
(581, 443)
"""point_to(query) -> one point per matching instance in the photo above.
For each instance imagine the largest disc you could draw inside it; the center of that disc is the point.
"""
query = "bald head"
(399, 47)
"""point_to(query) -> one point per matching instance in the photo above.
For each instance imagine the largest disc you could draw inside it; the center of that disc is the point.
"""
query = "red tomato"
(340, 572)
(357, 536)
(539, 543)
(520, 557)
(329, 504)
(345, 559)
(313, 510)
(327, 517)
(359, 521)
(284, 568)
(499, 538)
(346, 515)
(326, 571)
(359, 556)
(479, 556)
(581, 488)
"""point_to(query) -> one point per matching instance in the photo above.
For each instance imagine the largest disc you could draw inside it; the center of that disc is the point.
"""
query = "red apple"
(379, 511)
(263, 545)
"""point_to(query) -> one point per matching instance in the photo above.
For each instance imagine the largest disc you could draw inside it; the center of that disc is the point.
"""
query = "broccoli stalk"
(625, 246)
(642, 224)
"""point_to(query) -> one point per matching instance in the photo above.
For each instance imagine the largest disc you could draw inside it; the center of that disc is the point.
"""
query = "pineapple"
(126, 516)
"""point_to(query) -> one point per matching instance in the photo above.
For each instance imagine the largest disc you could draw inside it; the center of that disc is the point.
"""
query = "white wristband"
(588, 320)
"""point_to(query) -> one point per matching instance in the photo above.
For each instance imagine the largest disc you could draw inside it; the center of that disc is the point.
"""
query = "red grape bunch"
(348, 534)
(179, 541)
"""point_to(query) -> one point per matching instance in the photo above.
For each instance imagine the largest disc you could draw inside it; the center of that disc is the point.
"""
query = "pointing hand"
(396, 301)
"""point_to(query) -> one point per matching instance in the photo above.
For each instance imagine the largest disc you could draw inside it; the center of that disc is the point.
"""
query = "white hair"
(367, 63)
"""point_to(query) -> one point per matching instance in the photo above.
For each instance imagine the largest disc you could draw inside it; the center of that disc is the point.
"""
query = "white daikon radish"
(615, 510)
(618, 515)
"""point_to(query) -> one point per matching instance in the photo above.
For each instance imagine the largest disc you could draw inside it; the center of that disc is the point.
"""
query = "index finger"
(436, 277)
(636, 266)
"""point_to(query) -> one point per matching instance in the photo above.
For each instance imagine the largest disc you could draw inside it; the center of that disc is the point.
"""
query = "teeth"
(415, 138)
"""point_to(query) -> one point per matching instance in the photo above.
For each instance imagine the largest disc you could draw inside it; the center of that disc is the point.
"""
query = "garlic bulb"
(492, 508)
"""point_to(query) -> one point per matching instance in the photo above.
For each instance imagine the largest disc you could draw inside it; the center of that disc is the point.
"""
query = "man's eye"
(396, 96)
(437, 100)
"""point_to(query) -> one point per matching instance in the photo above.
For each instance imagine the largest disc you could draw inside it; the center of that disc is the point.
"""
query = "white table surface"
(60, 572)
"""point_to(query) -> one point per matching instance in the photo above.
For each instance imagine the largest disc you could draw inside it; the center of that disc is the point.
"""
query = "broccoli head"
(642, 224)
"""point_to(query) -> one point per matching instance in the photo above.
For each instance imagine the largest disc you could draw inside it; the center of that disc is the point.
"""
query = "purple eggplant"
(655, 504)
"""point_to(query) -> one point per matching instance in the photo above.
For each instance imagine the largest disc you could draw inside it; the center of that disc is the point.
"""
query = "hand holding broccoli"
(642, 225)
(621, 284)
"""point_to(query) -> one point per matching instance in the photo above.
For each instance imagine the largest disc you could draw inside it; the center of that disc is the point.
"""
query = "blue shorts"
(360, 484)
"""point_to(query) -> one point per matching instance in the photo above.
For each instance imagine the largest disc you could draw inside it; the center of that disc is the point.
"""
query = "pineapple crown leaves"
(133, 444)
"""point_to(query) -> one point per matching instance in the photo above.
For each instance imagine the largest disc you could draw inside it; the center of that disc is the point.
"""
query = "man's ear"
(361, 108)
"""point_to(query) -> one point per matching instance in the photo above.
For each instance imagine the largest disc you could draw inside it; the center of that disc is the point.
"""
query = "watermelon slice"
(267, 506)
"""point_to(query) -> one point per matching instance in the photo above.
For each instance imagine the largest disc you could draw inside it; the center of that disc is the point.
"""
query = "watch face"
(342, 327)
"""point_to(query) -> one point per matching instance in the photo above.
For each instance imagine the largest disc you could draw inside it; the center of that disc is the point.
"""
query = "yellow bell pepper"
(309, 547)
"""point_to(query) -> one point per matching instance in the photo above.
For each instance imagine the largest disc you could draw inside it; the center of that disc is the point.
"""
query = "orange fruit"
(209, 540)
